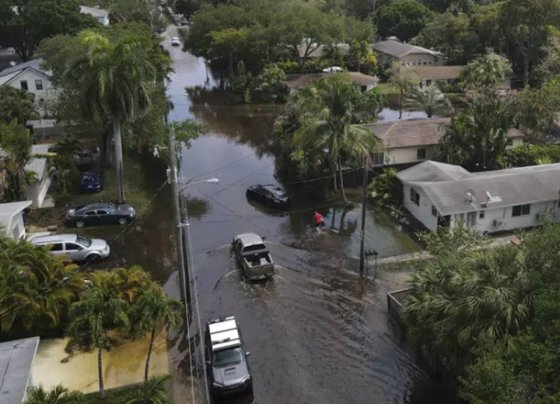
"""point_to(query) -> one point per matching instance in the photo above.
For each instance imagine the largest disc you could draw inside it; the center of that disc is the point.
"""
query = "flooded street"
(317, 332)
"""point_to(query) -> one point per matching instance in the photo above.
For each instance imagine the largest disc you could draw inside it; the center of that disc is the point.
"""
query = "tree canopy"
(403, 19)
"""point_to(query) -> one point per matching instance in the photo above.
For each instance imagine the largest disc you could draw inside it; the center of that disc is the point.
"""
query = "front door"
(471, 220)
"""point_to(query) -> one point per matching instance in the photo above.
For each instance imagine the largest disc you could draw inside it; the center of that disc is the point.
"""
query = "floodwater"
(317, 333)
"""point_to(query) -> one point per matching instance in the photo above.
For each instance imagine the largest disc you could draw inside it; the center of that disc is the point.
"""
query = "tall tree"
(114, 77)
(485, 74)
(57, 395)
(16, 104)
(428, 99)
(16, 141)
(403, 19)
(476, 138)
(25, 23)
(404, 79)
(93, 317)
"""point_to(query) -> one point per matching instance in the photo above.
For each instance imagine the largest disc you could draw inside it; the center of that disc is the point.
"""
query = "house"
(297, 81)
(31, 77)
(445, 196)
(16, 359)
(101, 15)
(11, 219)
(429, 75)
(392, 50)
(413, 141)
(37, 191)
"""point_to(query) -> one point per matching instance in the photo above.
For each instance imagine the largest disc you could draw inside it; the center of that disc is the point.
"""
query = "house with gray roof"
(31, 77)
(101, 15)
(392, 50)
(445, 196)
(412, 141)
(16, 359)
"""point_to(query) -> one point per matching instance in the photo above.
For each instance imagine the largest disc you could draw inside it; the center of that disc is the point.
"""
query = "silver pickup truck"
(253, 255)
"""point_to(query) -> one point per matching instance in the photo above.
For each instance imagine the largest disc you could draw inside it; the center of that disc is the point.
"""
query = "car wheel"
(123, 220)
(90, 259)
(80, 223)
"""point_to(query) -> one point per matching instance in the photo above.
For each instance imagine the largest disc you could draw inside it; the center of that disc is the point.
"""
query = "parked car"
(175, 41)
(253, 256)
(99, 214)
(77, 248)
(271, 195)
(87, 158)
(226, 357)
(333, 69)
(90, 181)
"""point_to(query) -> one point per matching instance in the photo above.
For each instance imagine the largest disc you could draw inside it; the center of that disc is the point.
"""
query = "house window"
(521, 210)
(428, 82)
(378, 159)
(39, 84)
(414, 197)
(509, 142)
(23, 84)
(481, 214)
(421, 154)
(434, 211)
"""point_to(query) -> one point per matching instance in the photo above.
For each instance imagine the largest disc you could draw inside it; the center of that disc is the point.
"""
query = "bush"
(531, 154)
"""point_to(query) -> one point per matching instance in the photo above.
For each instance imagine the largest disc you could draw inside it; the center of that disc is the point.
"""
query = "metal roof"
(16, 359)
(399, 49)
(490, 189)
(9, 210)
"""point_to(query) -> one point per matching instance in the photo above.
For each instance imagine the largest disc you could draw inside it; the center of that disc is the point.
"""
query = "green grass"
(387, 89)
(120, 395)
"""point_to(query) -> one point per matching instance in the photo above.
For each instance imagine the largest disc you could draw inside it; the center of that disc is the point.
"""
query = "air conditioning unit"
(497, 223)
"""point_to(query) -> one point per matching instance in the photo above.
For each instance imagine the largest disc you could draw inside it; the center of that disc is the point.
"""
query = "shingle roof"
(16, 358)
(508, 187)
(33, 64)
(398, 49)
(432, 171)
(438, 72)
(418, 132)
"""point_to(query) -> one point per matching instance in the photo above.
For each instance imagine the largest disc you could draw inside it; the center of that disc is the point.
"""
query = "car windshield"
(86, 242)
(227, 357)
(277, 191)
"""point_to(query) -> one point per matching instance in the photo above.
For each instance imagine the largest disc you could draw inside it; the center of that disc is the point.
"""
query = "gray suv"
(76, 248)
(226, 358)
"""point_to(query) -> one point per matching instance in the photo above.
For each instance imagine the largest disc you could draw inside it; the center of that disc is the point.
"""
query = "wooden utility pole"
(363, 230)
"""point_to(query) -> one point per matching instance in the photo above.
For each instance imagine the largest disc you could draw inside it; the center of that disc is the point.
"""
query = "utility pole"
(363, 230)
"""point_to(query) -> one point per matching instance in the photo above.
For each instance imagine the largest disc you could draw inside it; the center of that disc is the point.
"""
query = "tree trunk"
(100, 373)
(400, 103)
(148, 357)
(118, 159)
(342, 192)
(230, 64)
(525, 71)
(335, 183)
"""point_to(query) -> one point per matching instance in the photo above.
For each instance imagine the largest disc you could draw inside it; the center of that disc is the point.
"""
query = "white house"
(392, 50)
(413, 141)
(444, 196)
(101, 15)
(11, 219)
(31, 77)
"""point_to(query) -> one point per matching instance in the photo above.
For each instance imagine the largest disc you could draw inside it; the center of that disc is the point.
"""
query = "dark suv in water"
(271, 195)
(226, 358)
(96, 214)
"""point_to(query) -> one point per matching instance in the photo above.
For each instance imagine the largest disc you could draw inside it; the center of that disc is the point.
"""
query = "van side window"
(56, 247)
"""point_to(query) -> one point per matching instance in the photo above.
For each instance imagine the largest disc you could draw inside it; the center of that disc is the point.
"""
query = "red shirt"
(318, 218)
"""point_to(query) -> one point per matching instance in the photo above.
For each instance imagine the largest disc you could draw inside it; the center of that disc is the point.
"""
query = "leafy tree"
(272, 80)
(25, 23)
(155, 391)
(538, 107)
(403, 19)
(16, 104)
(405, 79)
(476, 138)
(428, 99)
(16, 141)
(531, 154)
(93, 317)
(386, 189)
(334, 104)
(58, 395)
(151, 310)
(114, 77)
(361, 56)
(485, 74)
(524, 24)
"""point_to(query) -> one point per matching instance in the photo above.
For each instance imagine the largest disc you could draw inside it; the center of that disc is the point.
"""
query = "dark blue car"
(90, 181)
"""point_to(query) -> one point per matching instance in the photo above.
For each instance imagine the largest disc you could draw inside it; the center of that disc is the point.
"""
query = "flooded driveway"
(317, 333)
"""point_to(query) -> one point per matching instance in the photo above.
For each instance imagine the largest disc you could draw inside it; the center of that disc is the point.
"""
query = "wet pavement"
(317, 333)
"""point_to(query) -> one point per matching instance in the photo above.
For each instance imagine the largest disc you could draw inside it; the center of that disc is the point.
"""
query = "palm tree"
(153, 392)
(428, 99)
(92, 318)
(405, 79)
(16, 141)
(485, 73)
(151, 310)
(58, 395)
(334, 106)
(114, 78)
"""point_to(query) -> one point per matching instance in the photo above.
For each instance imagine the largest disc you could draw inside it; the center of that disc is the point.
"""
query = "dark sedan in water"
(270, 195)
(90, 181)
(96, 214)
